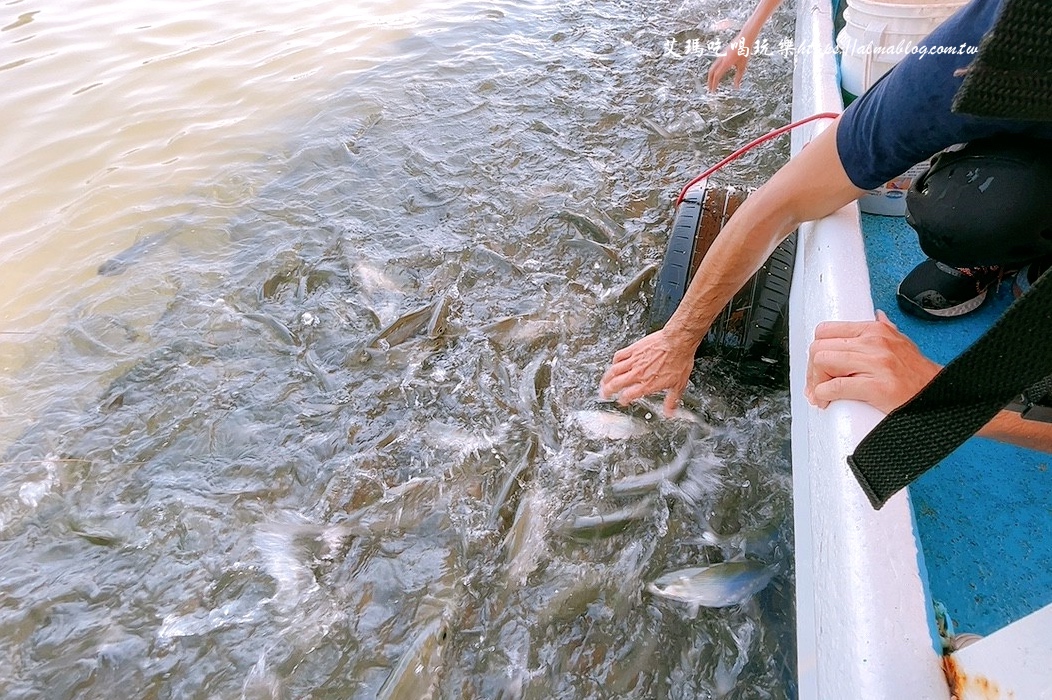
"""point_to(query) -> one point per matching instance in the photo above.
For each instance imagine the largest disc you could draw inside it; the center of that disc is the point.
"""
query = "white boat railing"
(1013, 662)
(864, 626)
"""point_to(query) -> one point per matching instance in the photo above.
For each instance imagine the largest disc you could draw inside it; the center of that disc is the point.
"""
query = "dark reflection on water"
(277, 499)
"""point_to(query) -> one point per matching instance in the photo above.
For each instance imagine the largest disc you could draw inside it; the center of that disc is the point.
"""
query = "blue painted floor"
(985, 513)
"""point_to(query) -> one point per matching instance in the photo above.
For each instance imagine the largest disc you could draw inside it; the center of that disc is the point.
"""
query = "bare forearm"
(758, 18)
(1010, 427)
(741, 248)
(810, 186)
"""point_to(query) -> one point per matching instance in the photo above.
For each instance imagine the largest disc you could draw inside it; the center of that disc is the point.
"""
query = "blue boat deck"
(984, 515)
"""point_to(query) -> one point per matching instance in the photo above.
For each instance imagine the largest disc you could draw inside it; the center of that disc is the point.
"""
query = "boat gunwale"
(865, 627)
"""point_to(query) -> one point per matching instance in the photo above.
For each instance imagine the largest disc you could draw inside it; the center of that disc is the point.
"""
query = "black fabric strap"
(1012, 76)
(1015, 353)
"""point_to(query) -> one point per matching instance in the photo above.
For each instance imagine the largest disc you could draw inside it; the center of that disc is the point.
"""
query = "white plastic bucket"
(877, 35)
(890, 198)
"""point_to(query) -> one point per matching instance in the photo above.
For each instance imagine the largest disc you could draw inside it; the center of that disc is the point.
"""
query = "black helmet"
(987, 203)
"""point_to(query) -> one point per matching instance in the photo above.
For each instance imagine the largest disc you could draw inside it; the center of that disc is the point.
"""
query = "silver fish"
(407, 507)
(518, 330)
(396, 333)
(403, 328)
(715, 586)
(375, 281)
(631, 288)
(656, 128)
(646, 482)
(280, 329)
(352, 142)
(609, 425)
(401, 508)
(100, 334)
(587, 227)
(494, 260)
(524, 545)
(637, 659)
(430, 200)
(605, 524)
(535, 380)
(583, 586)
(648, 409)
(588, 245)
(758, 542)
(310, 360)
(737, 119)
(438, 322)
(512, 480)
(540, 126)
(136, 251)
(417, 671)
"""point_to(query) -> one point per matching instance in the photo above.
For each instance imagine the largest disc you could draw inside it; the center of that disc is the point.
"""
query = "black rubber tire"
(752, 331)
(675, 273)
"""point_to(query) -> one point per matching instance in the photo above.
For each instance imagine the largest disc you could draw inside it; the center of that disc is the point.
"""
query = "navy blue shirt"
(905, 117)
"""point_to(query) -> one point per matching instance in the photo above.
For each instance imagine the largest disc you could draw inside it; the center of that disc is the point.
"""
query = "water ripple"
(220, 478)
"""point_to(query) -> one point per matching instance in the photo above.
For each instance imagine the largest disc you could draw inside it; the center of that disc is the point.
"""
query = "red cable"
(751, 145)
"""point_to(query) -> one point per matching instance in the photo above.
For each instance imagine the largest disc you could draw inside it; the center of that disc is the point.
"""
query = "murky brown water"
(222, 478)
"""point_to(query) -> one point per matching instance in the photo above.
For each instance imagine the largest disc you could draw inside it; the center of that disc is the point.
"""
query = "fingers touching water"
(730, 60)
(648, 366)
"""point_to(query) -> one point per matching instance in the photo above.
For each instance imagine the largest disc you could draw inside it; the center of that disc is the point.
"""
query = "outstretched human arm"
(872, 361)
(810, 186)
(732, 58)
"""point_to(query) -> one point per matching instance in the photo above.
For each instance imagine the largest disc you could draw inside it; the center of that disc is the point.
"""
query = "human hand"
(868, 361)
(732, 59)
(648, 366)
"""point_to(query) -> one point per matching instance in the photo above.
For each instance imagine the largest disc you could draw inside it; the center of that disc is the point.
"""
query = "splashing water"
(248, 468)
